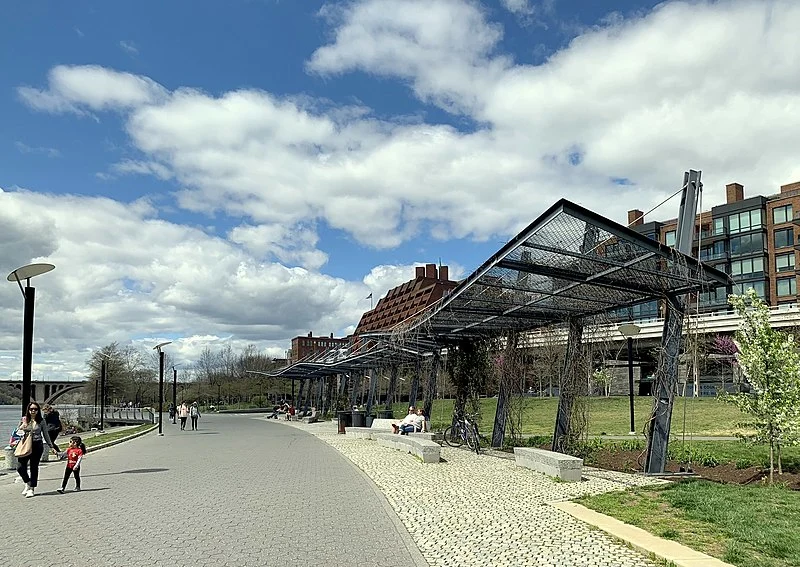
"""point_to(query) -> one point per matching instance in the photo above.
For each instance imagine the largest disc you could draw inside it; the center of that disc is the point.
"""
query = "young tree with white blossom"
(770, 362)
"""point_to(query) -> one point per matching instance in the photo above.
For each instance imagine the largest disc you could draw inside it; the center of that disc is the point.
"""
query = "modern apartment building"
(751, 239)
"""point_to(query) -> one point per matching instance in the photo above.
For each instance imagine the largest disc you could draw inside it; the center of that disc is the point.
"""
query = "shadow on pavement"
(132, 471)
(69, 491)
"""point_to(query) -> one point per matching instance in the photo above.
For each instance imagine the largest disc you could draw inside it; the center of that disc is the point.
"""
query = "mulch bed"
(631, 461)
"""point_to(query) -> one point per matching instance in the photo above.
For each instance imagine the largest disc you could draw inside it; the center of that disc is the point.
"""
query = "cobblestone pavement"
(239, 492)
(474, 511)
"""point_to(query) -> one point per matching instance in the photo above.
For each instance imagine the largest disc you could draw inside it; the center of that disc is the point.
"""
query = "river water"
(10, 416)
(9, 419)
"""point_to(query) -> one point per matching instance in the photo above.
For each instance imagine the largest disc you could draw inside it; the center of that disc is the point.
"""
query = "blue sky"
(246, 171)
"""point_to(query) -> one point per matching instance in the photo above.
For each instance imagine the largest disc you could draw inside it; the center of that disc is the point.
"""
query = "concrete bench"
(385, 424)
(428, 435)
(558, 465)
(426, 450)
(359, 432)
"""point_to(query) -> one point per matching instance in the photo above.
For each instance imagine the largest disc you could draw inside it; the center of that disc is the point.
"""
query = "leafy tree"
(770, 362)
(602, 379)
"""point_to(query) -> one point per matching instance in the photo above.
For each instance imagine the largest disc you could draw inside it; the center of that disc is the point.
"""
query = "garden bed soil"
(631, 461)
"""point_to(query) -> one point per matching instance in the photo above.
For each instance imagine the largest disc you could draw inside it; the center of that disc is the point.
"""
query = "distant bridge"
(51, 389)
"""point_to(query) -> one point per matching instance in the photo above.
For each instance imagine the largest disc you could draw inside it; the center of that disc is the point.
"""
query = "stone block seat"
(426, 450)
(557, 465)
(359, 432)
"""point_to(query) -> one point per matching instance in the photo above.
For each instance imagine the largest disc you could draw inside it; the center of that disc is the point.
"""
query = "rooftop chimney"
(420, 271)
(734, 192)
(444, 273)
(635, 217)
(309, 334)
(331, 335)
(430, 271)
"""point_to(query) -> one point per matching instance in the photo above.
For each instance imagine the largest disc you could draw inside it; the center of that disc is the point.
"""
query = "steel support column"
(665, 386)
(569, 380)
(373, 384)
(430, 390)
(392, 386)
(504, 394)
(412, 395)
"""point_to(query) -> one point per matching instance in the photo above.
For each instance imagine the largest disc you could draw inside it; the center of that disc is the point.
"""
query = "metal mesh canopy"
(371, 354)
(570, 262)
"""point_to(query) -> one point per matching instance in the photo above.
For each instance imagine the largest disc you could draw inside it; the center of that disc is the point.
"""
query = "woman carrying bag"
(30, 449)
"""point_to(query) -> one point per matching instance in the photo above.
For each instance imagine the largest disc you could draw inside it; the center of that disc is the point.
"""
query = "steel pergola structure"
(568, 267)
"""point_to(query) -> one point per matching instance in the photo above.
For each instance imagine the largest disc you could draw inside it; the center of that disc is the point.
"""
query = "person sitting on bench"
(407, 420)
(417, 424)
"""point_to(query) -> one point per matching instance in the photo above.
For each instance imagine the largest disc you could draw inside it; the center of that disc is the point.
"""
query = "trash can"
(385, 414)
(359, 418)
(11, 458)
(345, 419)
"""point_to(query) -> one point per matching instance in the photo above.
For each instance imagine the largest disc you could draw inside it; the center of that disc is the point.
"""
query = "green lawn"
(748, 526)
(704, 416)
(90, 440)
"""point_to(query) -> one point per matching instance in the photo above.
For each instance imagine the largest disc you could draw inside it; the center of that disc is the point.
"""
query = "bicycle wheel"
(477, 437)
(472, 439)
(452, 436)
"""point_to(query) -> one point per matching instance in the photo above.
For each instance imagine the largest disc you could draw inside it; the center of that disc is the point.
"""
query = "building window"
(669, 238)
(747, 267)
(715, 251)
(717, 297)
(744, 221)
(786, 286)
(782, 214)
(784, 237)
(784, 262)
(747, 244)
(719, 226)
(740, 289)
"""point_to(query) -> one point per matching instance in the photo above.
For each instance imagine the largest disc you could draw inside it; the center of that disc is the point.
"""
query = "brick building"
(303, 347)
(754, 240)
(429, 285)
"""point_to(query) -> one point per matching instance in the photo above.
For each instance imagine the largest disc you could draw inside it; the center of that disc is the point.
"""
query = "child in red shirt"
(74, 455)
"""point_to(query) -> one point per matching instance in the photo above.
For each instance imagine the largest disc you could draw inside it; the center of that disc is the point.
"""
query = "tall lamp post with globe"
(630, 330)
(160, 382)
(29, 293)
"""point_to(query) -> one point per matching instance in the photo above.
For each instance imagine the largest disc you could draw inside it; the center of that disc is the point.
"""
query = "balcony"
(716, 256)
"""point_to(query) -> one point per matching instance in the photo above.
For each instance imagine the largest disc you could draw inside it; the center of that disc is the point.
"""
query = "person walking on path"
(194, 413)
(53, 420)
(75, 454)
(171, 411)
(33, 424)
(183, 413)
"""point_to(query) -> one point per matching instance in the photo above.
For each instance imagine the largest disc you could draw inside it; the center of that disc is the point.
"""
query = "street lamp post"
(29, 293)
(630, 330)
(174, 393)
(103, 369)
(160, 383)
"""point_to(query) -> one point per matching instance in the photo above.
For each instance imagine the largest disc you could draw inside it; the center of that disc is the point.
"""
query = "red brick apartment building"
(429, 285)
(754, 240)
(303, 347)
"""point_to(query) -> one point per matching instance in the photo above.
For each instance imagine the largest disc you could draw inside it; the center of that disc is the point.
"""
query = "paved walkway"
(474, 511)
(240, 492)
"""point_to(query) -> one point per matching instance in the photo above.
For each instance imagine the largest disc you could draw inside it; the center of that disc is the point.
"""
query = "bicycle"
(464, 430)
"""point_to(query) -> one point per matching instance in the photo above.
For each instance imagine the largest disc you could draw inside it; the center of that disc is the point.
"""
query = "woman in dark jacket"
(54, 427)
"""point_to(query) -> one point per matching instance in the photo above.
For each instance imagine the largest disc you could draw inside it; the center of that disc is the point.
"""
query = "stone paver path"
(239, 492)
(474, 511)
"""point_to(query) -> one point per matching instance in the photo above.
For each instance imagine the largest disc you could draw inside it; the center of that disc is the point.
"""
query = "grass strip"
(747, 526)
